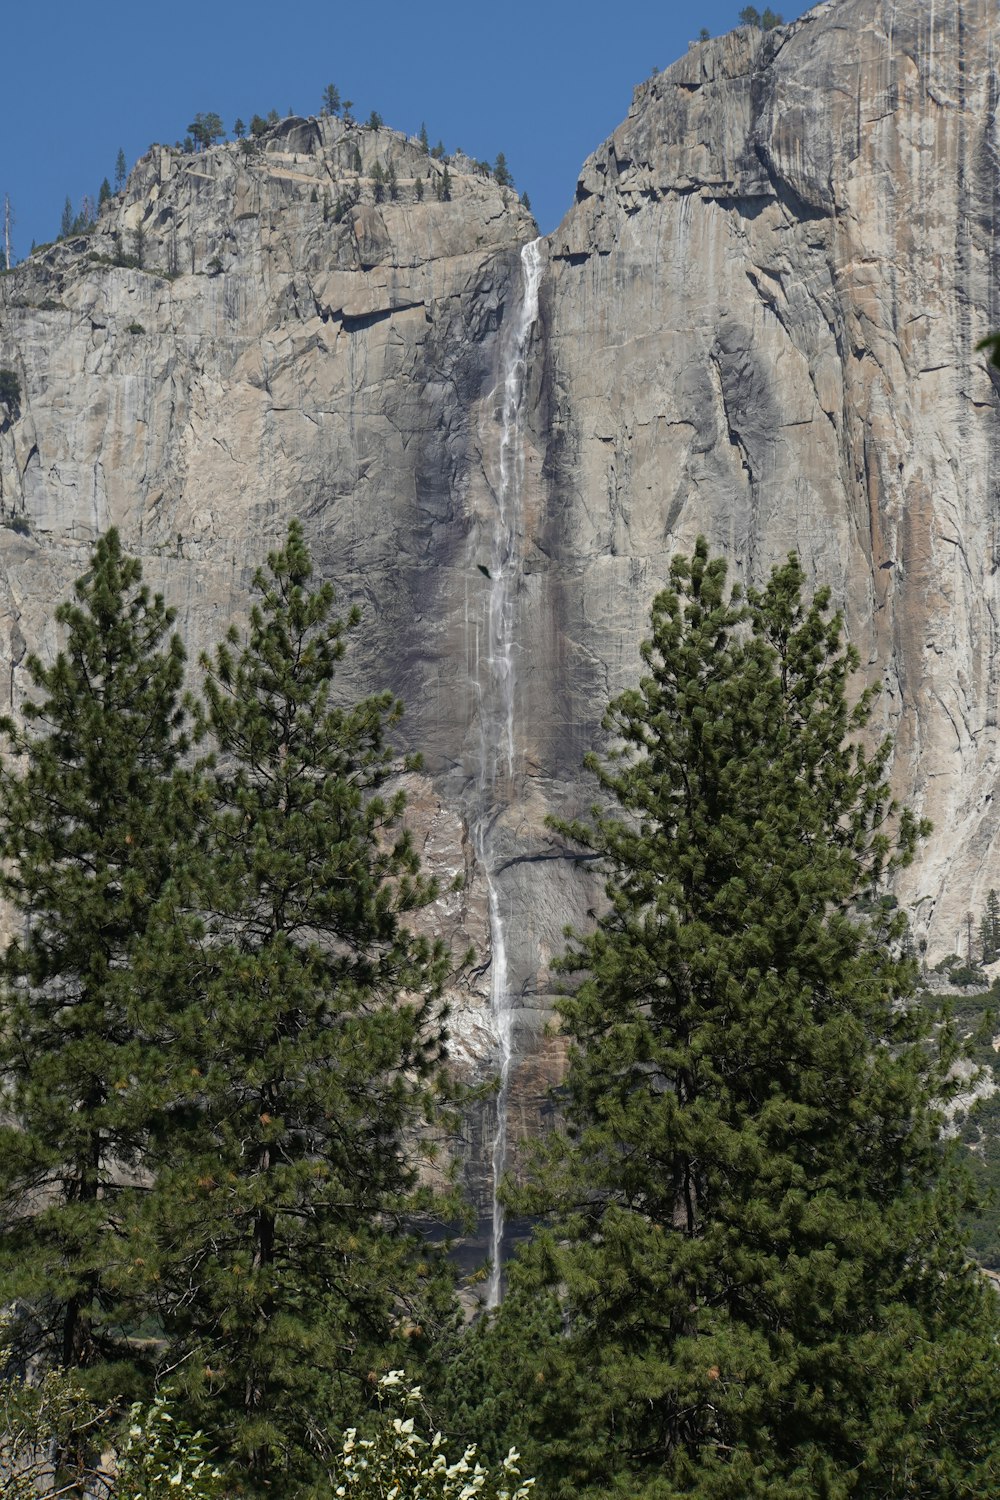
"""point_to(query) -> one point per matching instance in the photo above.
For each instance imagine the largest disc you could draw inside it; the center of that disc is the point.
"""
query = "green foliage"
(444, 187)
(67, 220)
(989, 929)
(90, 810)
(766, 20)
(239, 129)
(280, 1247)
(345, 202)
(121, 170)
(147, 1454)
(104, 193)
(704, 34)
(424, 139)
(134, 327)
(419, 189)
(393, 1458)
(378, 179)
(206, 129)
(10, 389)
(392, 181)
(374, 121)
(158, 1457)
(526, 202)
(258, 126)
(751, 1220)
(331, 100)
(501, 171)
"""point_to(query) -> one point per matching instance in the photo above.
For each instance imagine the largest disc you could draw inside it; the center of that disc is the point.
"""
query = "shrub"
(134, 327)
(397, 1460)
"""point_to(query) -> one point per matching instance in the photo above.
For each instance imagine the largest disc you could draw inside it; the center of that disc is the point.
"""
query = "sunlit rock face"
(758, 320)
(761, 323)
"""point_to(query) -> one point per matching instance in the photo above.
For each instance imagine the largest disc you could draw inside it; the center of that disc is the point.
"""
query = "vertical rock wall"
(758, 320)
(762, 318)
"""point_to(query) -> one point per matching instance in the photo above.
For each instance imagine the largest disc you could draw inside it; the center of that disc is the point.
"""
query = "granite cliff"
(758, 320)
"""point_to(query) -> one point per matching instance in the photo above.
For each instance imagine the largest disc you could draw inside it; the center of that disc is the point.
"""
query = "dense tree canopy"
(91, 813)
(751, 1255)
(280, 1241)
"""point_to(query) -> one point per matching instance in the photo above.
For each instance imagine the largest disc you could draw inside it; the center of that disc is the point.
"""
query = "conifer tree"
(280, 1240)
(90, 820)
(751, 1232)
(989, 928)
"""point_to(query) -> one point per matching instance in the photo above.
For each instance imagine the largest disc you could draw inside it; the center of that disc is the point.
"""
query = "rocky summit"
(758, 320)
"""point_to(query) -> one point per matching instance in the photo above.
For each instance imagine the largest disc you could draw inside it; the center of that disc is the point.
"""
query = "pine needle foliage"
(91, 813)
(750, 1217)
(281, 1242)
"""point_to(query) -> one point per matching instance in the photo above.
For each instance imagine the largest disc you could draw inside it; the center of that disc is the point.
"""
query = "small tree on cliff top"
(751, 1235)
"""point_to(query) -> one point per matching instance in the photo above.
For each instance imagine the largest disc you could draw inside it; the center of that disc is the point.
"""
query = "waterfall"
(496, 778)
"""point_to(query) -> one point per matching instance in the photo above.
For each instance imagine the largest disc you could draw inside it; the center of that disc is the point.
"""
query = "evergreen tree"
(90, 817)
(239, 129)
(331, 100)
(103, 194)
(392, 181)
(206, 129)
(66, 221)
(121, 170)
(501, 171)
(378, 179)
(280, 1241)
(751, 1217)
(424, 139)
(989, 929)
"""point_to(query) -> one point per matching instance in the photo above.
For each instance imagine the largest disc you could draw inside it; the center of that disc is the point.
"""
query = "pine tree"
(501, 171)
(989, 929)
(751, 1216)
(121, 170)
(280, 1241)
(90, 820)
(331, 99)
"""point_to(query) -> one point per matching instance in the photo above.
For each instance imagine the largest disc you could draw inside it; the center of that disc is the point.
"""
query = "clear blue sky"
(544, 81)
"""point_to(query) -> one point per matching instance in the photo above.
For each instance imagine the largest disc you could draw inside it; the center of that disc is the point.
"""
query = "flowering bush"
(55, 1440)
(159, 1459)
(397, 1463)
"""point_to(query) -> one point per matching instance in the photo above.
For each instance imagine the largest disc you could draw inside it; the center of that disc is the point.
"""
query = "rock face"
(758, 321)
(761, 322)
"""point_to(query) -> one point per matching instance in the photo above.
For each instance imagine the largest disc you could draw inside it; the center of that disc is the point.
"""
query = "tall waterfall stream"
(496, 778)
